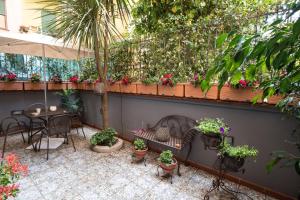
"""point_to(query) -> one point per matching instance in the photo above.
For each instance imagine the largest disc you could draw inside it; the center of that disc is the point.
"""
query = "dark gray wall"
(261, 127)
(264, 128)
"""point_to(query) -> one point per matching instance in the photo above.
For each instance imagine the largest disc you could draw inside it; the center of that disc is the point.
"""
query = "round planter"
(232, 163)
(107, 149)
(211, 140)
(140, 154)
(168, 168)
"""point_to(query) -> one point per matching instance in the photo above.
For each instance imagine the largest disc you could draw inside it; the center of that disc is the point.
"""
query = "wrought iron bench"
(181, 130)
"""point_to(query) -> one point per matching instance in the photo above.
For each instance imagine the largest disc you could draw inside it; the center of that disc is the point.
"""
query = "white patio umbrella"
(40, 45)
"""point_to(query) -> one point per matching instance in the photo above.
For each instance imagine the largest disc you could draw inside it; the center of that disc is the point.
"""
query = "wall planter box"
(113, 87)
(57, 86)
(146, 89)
(129, 88)
(241, 94)
(196, 92)
(11, 86)
(73, 86)
(177, 90)
(275, 99)
(99, 88)
(34, 86)
(89, 86)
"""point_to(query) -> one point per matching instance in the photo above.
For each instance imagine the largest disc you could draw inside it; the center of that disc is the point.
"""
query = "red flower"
(74, 79)
(11, 76)
(243, 83)
(125, 80)
(169, 75)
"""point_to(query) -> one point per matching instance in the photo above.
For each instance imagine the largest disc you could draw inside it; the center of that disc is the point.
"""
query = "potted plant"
(168, 86)
(212, 131)
(34, 83)
(148, 86)
(242, 91)
(127, 85)
(11, 171)
(234, 157)
(56, 83)
(8, 82)
(140, 149)
(74, 80)
(106, 141)
(167, 162)
(194, 90)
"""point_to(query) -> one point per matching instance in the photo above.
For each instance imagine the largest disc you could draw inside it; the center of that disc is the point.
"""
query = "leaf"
(236, 40)
(272, 163)
(250, 72)
(280, 60)
(296, 28)
(285, 85)
(221, 39)
(236, 77)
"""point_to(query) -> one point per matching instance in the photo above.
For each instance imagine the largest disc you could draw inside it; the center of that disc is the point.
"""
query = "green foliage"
(35, 78)
(150, 80)
(237, 152)
(166, 157)
(88, 70)
(139, 144)
(105, 137)
(71, 101)
(213, 126)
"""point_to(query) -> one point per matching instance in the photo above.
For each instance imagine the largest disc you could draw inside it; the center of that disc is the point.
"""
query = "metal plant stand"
(165, 175)
(134, 159)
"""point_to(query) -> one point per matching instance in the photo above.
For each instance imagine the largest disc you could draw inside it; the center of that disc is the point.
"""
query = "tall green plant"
(71, 101)
(89, 24)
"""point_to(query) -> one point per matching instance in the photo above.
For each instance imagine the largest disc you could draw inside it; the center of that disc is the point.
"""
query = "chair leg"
(73, 143)
(23, 137)
(178, 169)
(83, 132)
(188, 154)
(48, 147)
(4, 144)
(77, 131)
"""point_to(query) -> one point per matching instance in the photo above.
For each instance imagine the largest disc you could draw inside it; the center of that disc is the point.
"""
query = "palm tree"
(89, 24)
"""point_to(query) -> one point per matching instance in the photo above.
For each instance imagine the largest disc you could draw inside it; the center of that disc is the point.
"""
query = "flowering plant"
(196, 81)
(10, 172)
(35, 78)
(213, 126)
(11, 77)
(126, 80)
(2, 77)
(74, 79)
(243, 84)
(168, 80)
(56, 79)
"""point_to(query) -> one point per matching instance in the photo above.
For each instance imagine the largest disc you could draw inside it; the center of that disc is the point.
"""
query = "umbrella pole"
(45, 84)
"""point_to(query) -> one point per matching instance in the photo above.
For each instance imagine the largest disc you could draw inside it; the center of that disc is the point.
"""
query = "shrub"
(239, 151)
(105, 137)
(213, 126)
(150, 80)
(139, 144)
(166, 157)
(35, 78)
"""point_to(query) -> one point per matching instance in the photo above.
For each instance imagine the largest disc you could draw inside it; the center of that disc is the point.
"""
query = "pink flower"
(74, 79)
(243, 83)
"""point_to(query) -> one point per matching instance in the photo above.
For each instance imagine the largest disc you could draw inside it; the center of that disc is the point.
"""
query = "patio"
(86, 175)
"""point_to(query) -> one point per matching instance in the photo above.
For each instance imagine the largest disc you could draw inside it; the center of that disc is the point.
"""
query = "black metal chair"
(57, 126)
(76, 122)
(11, 126)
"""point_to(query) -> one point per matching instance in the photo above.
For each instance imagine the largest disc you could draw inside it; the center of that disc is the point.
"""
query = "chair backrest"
(34, 106)
(19, 115)
(7, 123)
(178, 125)
(60, 124)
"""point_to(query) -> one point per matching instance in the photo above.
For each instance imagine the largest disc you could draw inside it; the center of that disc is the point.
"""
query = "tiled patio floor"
(86, 175)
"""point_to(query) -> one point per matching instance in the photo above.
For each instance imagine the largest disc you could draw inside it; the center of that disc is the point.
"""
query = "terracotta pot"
(196, 92)
(168, 168)
(146, 89)
(140, 154)
(241, 94)
(113, 87)
(34, 86)
(129, 88)
(73, 86)
(9, 86)
(275, 99)
(81, 86)
(57, 86)
(177, 90)
(89, 86)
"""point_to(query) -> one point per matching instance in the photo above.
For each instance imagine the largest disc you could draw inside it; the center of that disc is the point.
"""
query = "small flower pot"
(146, 89)
(140, 154)
(168, 169)
(113, 87)
(239, 94)
(177, 90)
(34, 86)
(211, 140)
(73, 86)
(57, 86)
(128, 88)
(11, 86)
(232, 163)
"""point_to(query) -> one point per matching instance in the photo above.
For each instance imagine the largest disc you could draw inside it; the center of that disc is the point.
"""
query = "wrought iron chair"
(181, 130)
(57, 126)
(76, 122)
(11, 126)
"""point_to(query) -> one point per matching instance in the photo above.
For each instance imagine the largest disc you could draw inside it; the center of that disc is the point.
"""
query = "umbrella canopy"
(39, 45)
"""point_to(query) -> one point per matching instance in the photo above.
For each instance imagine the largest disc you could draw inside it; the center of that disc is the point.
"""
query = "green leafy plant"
(35, 78)
(105, 137)
(166, 157)
(243, 151)
(213, 126)
(139, 144)
(71, 101)
(150, 80)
